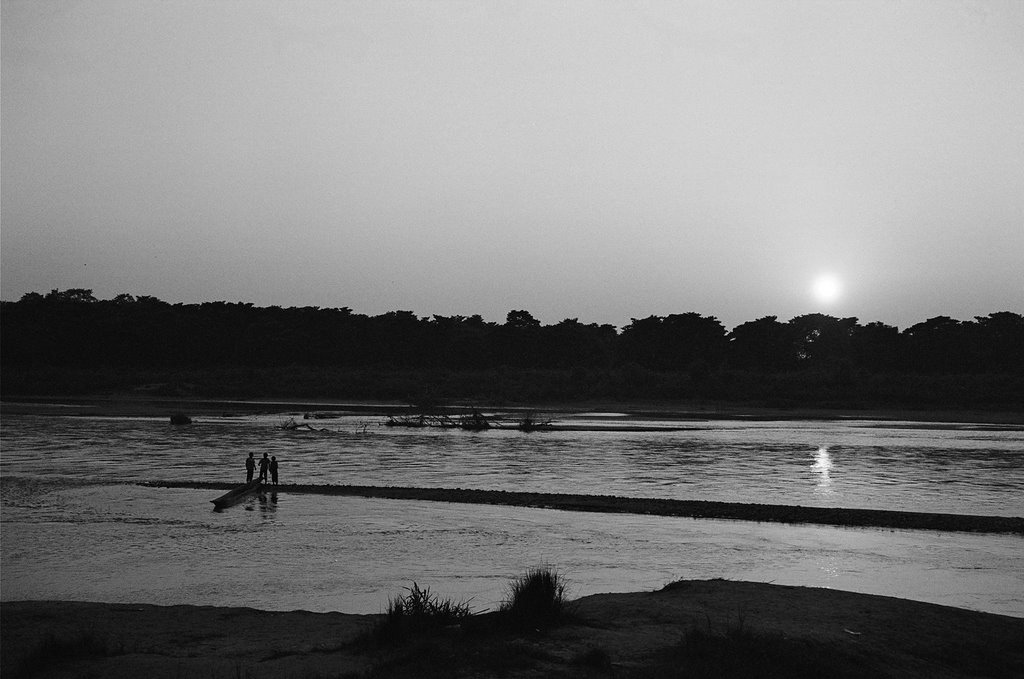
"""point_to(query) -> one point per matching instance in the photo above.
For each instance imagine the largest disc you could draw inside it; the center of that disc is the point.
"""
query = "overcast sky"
(597, 160)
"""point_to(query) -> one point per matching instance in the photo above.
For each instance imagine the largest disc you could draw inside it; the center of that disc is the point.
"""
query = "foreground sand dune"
(794, 631)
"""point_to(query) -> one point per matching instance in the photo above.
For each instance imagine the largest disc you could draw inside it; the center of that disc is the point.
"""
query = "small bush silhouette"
(419, 612)
(536, 599)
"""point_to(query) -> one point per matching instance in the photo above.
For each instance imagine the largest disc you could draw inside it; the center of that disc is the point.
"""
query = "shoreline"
(132, 405)
(698, 509)
(842, 634)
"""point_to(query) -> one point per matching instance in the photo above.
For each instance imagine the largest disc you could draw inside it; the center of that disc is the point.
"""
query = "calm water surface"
(75, 525)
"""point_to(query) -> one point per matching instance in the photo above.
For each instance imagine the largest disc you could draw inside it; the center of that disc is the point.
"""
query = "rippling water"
(75, 526)
(965, 470)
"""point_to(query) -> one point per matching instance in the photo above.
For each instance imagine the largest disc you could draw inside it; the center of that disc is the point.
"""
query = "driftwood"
(321, 416)
(471, 421)
(292, 425)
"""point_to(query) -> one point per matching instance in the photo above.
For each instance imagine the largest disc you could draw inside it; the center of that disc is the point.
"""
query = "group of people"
(266, 465)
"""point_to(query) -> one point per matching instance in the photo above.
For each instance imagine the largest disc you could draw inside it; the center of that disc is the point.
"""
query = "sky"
(593, 160)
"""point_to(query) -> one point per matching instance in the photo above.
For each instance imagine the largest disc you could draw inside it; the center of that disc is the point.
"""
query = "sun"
(827, 288)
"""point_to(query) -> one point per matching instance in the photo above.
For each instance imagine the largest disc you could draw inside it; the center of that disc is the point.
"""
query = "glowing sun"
(827, 288)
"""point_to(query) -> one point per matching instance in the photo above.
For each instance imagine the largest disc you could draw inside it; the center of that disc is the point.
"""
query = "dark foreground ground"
(689, 629)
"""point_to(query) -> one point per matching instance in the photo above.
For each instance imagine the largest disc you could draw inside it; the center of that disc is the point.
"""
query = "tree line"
(72, 329)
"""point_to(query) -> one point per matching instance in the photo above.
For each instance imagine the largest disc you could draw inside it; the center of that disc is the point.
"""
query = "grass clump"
(424, 636)
(419, 612)
(536, 600)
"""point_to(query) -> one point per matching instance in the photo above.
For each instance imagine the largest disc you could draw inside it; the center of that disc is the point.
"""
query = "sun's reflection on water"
(822, 467)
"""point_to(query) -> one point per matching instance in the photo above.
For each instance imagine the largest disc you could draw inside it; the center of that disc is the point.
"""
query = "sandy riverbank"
(735, 628)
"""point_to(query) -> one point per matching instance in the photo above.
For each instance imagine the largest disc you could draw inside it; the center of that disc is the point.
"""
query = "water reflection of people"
(264, 467)
(268, 503)
(250, 468)
(273, 469)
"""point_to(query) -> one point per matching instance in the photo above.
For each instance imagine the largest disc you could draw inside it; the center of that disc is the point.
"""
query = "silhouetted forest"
(68, 342)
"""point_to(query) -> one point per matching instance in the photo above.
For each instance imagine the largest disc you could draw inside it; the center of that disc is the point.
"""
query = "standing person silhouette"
(250, 468)
(273, 469)
(264, 466)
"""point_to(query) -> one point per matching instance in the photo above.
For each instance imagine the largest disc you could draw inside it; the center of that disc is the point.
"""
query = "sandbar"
(702, 509)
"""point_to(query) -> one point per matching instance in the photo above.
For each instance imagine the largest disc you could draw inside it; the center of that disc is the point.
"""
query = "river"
(76, 524)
